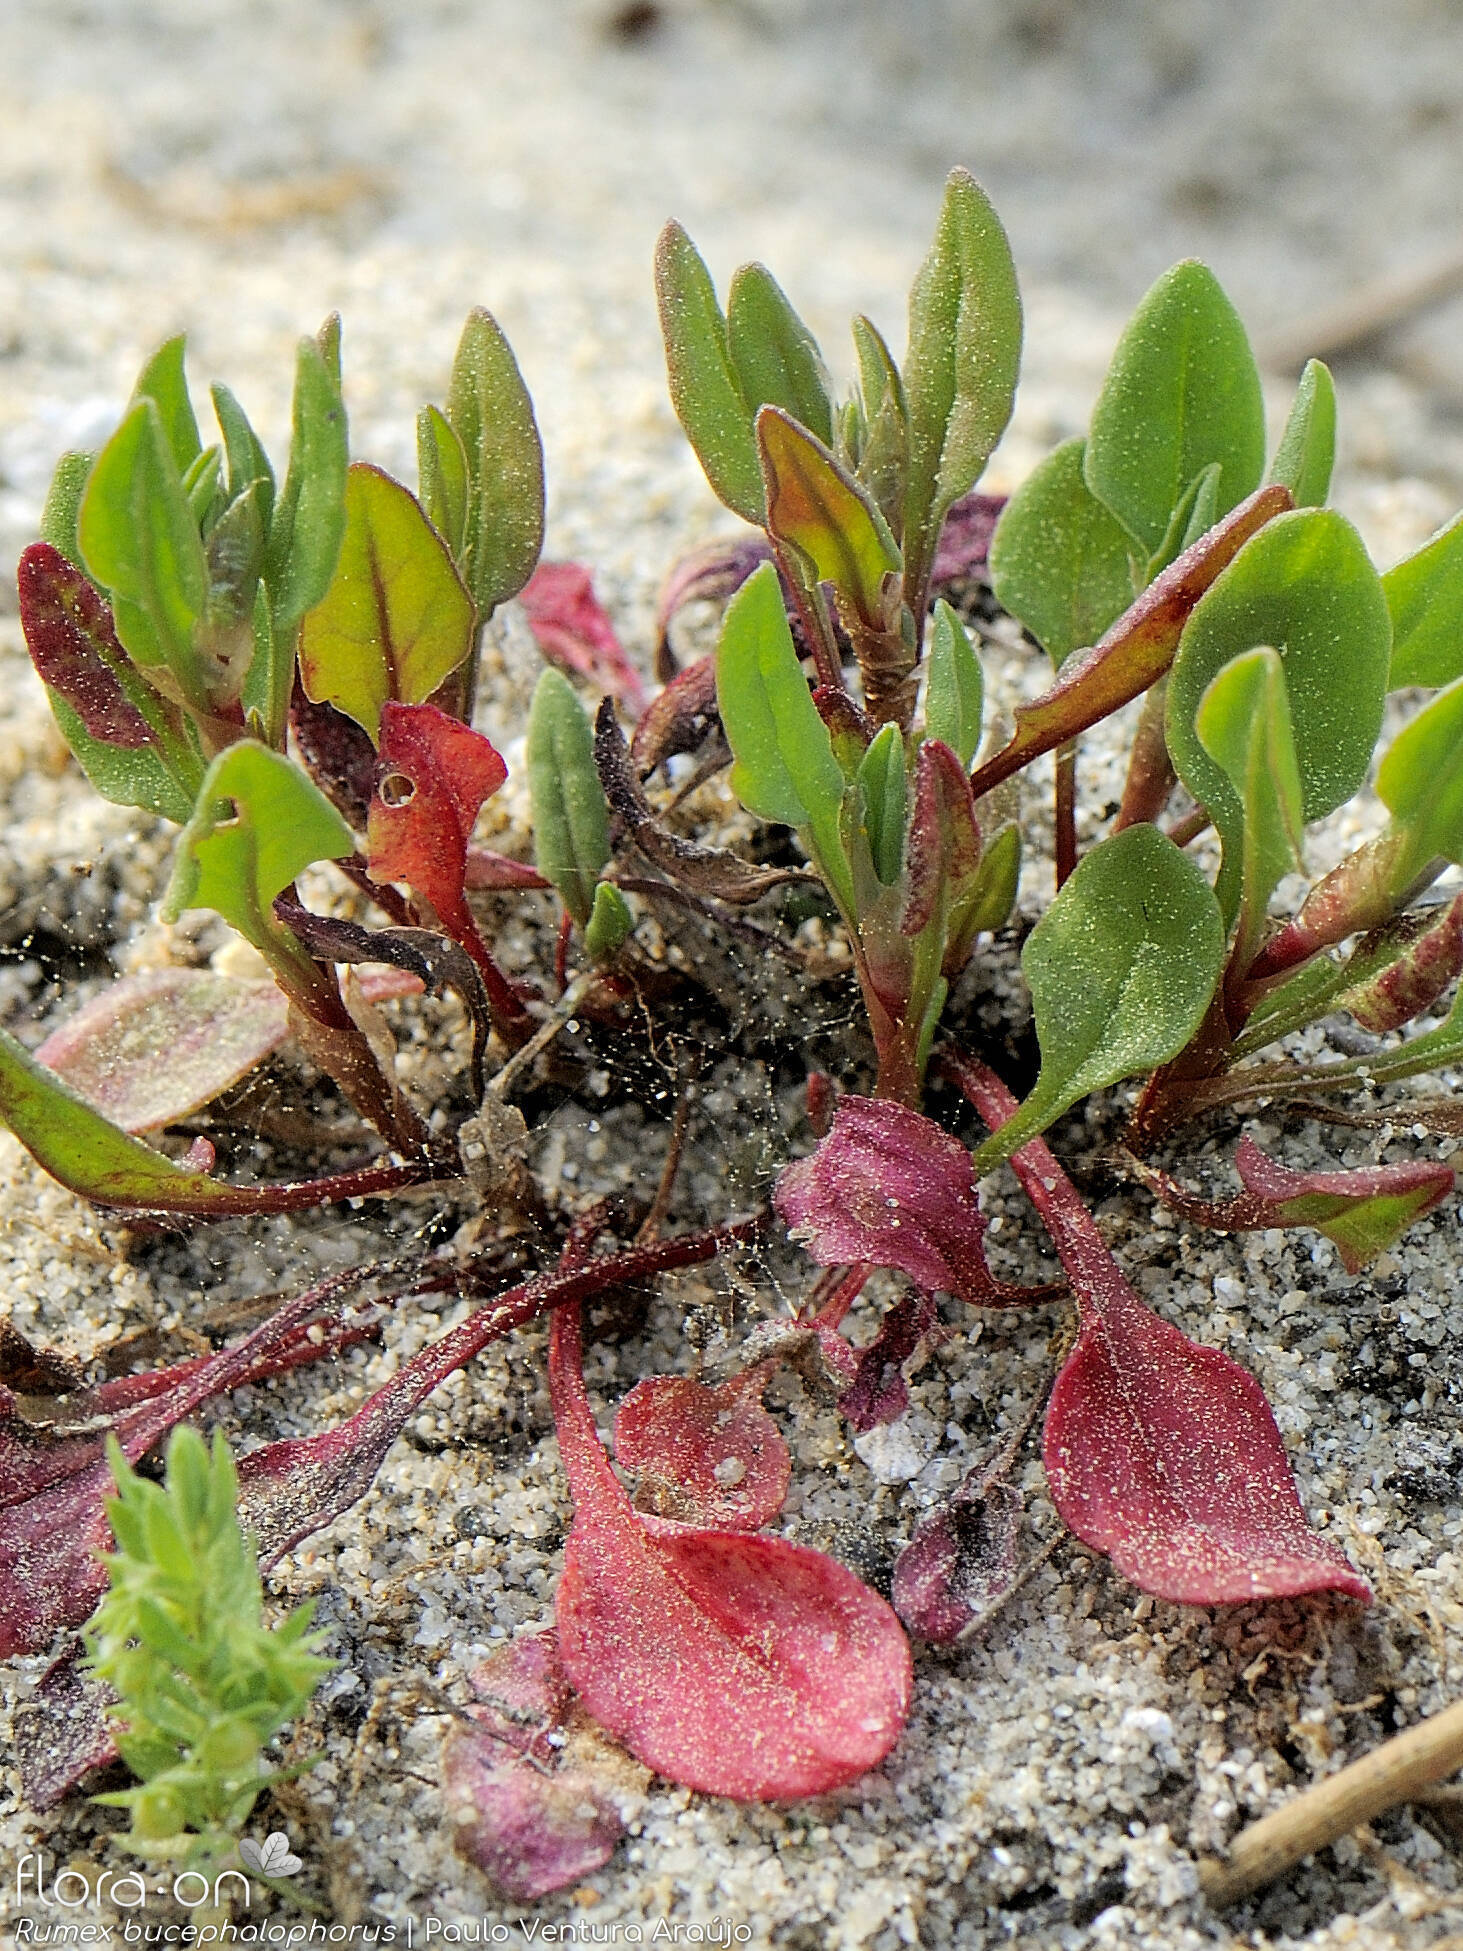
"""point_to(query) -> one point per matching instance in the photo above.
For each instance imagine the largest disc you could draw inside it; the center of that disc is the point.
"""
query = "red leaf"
(1160, 1453)
(879, 1392)
(574, 632)
(434, 774)
(712, 573)
(944, 836)
(742, 1666)
(706, 1455)
(73, 645)
(887, 1185)
(63, 1732)
(526, 1811)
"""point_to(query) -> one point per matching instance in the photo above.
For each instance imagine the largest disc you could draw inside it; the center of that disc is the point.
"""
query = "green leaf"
(705, 389)
(1194, 516)
(1420, 782)
(785, 769)
(247, 461)
(1182, 391)
(442, 479)
(305, 533)
(776, 357)
(961, 366)
(610, 923)
(135, 777)
(954, 686)
(1425, 600)
(571, 835)
(201, 486)
(489, 410)
(63, 505)
(90, 1156)
(1121, 968)
(884, 797)
(825, 518)
(327, 342)
(140, 542)
(992, 894)
(1059, 562)
(1307, 450)
(258, 823)
(1243, 723)
(883, 456)
(163, 381)
(396, 620)
(1305, 585)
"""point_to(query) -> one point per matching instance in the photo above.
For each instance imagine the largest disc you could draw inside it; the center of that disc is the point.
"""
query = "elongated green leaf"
(244, 452)
(259, 822)
(884, 797)
(571, 835)
(1059, 562)
(1194, 516)
(489, 410)
(1425, 599)
(140, 542)
(610, 923)
(396, 620)
(442, 478)
(201, 486)
(305, 534)
(163, 381)
(785, 769)
(63, 505)
(1182, 391)
(1243, 723)
(1305, 585)
(1121, 969)
(705, 389)
(1307, 450)
(883, 455)
(1420, 782)
(90, 1156)
(776, 357)
(954, 686)
(821, 513)
(961, 366)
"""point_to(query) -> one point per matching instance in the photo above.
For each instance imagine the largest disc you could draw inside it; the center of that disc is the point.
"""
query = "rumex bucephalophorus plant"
(288, 674)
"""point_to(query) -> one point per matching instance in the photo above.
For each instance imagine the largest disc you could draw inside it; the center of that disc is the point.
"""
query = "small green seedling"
(203, 1685)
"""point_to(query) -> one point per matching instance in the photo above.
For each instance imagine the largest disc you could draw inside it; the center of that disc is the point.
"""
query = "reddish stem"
(1066, 812)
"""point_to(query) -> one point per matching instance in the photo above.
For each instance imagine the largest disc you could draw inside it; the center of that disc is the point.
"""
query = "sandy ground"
(240, 170)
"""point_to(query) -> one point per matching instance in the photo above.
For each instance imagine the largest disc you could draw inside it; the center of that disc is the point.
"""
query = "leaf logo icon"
(272, 1857)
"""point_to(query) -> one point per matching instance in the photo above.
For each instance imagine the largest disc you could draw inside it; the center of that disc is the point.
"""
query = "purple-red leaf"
(53, 1480)
(960, 1560)
(1431, 959)
(159, 1045)
(741, 1666)
(63, 1732)
(528, 1803)
(1160, 1453)
(965, 541)
(879, 1392)
(711, 574)
(706, 1455)
(944, 848)
(679, 718)
(1362, 1210)
(73, 645)
(573, 631)
(888, 1186)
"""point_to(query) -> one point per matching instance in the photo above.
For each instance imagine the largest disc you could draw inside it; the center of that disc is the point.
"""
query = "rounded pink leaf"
(707, 1455)
(741, 1666)
(888, 1186)
(157, 1046)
